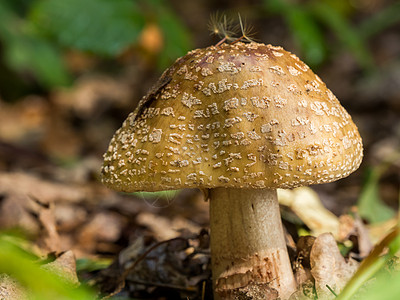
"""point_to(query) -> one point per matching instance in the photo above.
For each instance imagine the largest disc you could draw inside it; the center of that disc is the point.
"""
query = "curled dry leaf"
(328, 266)
(18, 189)
(308, 207)
(302, 264)
(304, 246)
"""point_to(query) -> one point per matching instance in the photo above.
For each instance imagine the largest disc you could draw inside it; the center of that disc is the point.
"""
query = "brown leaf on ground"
(328, 266)
(49, 238)
(17, 209)
(177, 265)
(64, 266)
(69, 217)
(45, 190)
(100, 232)
(164, 228)
(90, 95)
(14, 213)
(25, 120)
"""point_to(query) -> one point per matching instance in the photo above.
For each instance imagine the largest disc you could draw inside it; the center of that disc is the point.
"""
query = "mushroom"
(239, 120)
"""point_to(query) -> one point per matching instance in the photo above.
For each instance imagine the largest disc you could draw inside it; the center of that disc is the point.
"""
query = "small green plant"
(372, 265)
(370, 206)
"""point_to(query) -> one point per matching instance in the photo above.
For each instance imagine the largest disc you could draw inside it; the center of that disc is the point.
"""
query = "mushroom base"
(248, 247)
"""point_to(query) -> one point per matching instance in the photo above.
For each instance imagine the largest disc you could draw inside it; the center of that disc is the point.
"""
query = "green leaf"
(277, 6)
(104, 27)
(176, 37)
(25, 52)
(303, 27)
(370, 266)
(90, 265)
(345, 33)
(370, 206)
(383, 288)
(309, 35)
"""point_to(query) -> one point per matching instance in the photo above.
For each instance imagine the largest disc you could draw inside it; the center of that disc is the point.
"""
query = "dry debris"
(175, 267)
(10, 289)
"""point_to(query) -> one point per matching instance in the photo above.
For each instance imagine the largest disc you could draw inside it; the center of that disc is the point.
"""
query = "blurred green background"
(37, 35)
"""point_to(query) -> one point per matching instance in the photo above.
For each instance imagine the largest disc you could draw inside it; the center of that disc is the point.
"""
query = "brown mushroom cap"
(242, 115)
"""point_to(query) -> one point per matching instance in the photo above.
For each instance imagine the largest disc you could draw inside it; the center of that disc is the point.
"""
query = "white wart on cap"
(242, 116)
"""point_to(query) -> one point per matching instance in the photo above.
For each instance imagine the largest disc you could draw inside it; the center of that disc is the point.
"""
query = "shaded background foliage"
(352, 45)
(71, 71)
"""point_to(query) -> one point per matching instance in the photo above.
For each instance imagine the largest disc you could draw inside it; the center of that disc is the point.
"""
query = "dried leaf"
(354, 229)
(164, 228)
(49, 236)
(328, 267)
(22, 120)
(18, 189)
(307, 206)
(172, 264)
(10, 289)
(90, 95)
(103, 227)
(65, 267)
(304, 246)
(44, 190)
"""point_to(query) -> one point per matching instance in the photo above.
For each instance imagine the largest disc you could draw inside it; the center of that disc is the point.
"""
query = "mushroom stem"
(248, 247)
